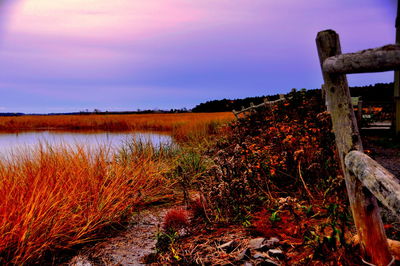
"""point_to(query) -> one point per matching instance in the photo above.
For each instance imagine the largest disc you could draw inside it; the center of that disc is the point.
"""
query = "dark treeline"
(98, 112)
(225, 105)
(380, 92)
(11, 114)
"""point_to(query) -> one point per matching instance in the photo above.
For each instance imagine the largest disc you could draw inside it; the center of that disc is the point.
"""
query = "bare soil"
(128, 247)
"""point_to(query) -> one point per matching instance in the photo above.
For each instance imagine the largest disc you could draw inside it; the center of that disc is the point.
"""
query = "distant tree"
(377, 92)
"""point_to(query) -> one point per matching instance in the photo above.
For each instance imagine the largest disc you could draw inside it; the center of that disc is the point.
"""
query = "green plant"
(190, 165)
(275, 217)
(174, 221)
(165, 241)
(134, 148)
(308, 210)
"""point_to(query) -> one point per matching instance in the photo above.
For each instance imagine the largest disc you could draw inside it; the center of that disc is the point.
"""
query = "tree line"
(380, 92)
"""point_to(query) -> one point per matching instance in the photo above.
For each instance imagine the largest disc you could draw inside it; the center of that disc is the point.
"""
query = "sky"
(73, 55)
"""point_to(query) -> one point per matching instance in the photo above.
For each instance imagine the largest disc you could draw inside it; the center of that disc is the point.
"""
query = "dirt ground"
(128, 247)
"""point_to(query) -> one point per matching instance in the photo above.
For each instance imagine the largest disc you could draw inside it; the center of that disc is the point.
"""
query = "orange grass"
(148, 122)
(63, 196)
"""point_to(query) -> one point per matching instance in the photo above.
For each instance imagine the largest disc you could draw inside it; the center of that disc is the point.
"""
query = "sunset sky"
(72, 55)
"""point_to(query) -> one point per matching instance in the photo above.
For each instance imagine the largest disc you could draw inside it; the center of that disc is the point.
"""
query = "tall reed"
(148, 122)
(54, 198)
(63, 196)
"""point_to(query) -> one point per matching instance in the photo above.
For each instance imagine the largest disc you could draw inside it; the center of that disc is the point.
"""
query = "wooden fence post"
(396, 111)
(363, 204)
(359, 110)
(235, 113)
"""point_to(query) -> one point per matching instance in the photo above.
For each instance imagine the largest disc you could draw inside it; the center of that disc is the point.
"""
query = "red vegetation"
(284, 150)
(175, 220)
(197, 207)
(309, 233)
(276, 172)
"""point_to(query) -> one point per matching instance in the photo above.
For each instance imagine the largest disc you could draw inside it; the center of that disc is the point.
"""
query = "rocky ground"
(134, 245)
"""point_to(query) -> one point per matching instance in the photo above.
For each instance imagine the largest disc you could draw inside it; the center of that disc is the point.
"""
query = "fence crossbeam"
(379, 181)
(255, 107)
(380, 59)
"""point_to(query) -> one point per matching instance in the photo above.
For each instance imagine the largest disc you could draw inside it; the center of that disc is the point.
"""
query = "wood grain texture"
(380, 59)
(383, 185)
(396, 118)
(363, 204)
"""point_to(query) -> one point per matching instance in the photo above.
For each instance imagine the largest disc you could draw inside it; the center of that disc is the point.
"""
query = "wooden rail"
(363, 203)
(378, 180)
(372, 60)
(254, 107)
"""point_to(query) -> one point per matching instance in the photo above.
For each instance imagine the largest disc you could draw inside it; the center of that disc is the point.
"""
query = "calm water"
(14, 142)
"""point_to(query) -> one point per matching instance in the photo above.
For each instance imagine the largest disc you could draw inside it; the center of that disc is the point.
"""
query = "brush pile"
(287, 149)
(275, 176)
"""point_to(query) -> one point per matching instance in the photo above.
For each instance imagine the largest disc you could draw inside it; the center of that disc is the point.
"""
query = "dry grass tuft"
(63, 196)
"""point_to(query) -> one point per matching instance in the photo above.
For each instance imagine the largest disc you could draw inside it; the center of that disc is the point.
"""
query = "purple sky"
(71, 55)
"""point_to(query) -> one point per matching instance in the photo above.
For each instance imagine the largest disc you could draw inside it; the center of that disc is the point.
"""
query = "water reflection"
(14, 142)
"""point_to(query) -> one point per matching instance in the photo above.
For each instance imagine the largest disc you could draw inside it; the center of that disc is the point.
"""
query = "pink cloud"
(202, 48)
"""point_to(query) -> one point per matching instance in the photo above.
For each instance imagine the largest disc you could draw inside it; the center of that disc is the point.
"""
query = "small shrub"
(190, 165)
(165, 241)
(175, 220)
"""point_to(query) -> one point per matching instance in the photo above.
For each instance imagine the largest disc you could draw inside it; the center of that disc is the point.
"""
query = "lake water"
(14, 142)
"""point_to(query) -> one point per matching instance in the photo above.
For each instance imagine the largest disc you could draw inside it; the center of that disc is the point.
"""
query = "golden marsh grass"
(66, 196)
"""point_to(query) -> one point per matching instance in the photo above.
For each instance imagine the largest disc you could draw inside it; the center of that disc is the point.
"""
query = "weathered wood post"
(235, 113)
(363, 204)
(359, 110)
(357, 101)
(397, 78)
(384, 185)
